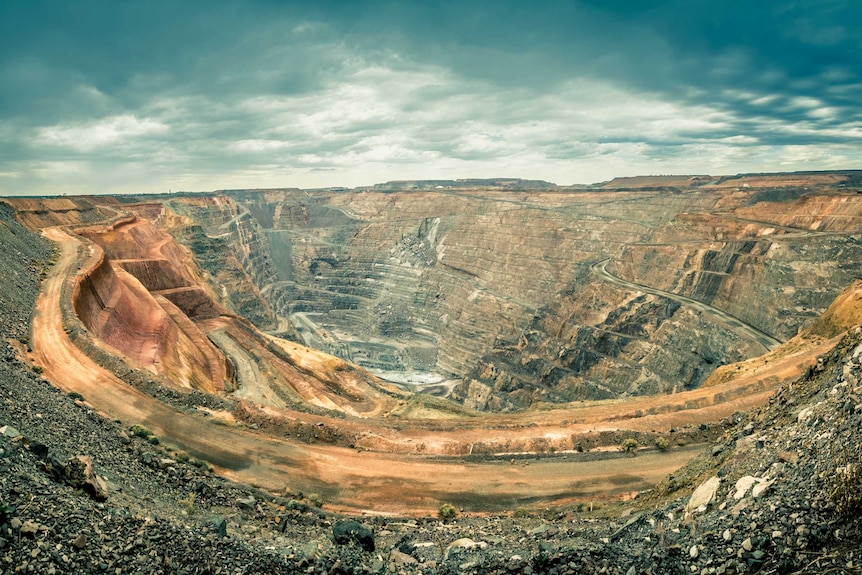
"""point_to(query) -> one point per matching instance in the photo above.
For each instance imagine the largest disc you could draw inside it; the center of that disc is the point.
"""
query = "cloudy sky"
(117, 96)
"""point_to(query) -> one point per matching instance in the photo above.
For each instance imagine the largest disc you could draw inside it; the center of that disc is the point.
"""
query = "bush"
(140, 431)
(6, 511)
(662, 443)
(447, 513)
(846, 492)
(629, 445)
(75, 396)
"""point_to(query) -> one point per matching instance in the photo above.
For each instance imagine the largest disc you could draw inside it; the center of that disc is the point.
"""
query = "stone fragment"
(743, 484)
(747, 544)
(93, 484)
(804, 414)
(9, 431)
(464, 543)
(344, 532)
(727, 535)
(311, 549)
(246, 502)
(788, 456)
(80, 541)
(219, 525)
(29, 527)
(760, 488)
(703, 495)
(398, 558)
(693, 552)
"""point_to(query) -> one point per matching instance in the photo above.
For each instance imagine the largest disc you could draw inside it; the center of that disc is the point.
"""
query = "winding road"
(348, 479)
(733, 323)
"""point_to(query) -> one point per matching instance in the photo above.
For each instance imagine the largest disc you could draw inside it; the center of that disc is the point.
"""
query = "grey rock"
(9, 431)
(311, 550)
(398, 558)
(344, 532)
(80, 541)
(219, 525)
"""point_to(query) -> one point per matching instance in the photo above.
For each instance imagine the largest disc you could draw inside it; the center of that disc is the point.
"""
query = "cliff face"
(128, 298)
(497, 290)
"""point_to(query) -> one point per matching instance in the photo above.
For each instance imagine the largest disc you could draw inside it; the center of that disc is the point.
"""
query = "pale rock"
(30, 527)
(743, 484)
(399, 558)
(703, 495)
(9, 431)
(760, 488)
(465, 543)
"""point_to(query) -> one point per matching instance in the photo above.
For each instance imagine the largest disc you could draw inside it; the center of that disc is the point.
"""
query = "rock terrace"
(779, 485)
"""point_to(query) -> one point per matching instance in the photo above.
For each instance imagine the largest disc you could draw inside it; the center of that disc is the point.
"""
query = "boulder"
(345, 532)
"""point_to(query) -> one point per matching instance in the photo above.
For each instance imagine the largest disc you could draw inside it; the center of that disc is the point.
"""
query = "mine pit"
(397, 349)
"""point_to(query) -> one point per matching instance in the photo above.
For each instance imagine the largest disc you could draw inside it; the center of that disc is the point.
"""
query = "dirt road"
(347, 479)
(733, 323)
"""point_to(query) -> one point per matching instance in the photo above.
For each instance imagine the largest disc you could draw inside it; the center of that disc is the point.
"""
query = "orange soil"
(407, 466)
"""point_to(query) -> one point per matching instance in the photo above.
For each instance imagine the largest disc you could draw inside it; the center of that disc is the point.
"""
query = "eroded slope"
(489, 294)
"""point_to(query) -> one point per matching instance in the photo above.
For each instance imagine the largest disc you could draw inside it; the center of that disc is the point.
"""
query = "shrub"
(447, 513)
(295, 505)
(846, 491)
(629, 445)
(6, 511)
(662, 443)
(75, 396)
(140, 431)
(188, 503)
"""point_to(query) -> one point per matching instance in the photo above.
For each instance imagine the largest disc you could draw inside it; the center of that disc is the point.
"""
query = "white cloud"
(99, 134)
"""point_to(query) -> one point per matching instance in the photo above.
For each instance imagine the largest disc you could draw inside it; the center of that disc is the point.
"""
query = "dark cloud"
(144, 95)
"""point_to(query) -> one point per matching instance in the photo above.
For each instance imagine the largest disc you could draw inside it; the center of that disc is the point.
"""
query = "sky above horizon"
(100, 96)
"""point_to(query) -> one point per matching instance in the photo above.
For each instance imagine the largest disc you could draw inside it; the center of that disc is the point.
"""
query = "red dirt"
(396, 466)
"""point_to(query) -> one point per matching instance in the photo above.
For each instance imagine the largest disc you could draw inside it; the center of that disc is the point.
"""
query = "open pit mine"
(486, 343)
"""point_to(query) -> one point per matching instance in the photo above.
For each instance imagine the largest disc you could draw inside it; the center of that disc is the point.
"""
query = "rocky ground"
(780, 492)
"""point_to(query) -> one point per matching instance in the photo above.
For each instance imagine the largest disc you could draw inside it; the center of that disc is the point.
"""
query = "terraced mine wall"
(497, 292)
(117, 308)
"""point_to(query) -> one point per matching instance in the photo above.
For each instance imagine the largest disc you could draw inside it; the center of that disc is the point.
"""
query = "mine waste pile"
(649, 375)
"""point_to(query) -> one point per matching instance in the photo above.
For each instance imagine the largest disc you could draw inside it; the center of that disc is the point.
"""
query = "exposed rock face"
(142, 305)
(495, 286)
(498, 294)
